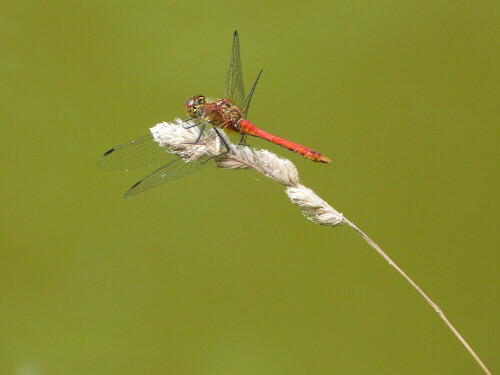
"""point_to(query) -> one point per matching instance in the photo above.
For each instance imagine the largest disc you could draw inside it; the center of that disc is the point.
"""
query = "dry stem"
(421, 292)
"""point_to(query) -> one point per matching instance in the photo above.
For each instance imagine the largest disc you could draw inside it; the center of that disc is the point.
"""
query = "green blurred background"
(218, 273)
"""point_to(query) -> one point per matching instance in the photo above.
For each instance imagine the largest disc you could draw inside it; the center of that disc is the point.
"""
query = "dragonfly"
(225, 117)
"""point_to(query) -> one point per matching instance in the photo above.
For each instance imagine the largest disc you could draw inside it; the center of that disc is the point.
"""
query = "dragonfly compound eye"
(190, 107)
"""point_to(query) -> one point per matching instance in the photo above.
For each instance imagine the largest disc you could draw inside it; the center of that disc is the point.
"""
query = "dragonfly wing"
(234, 89)
(246, 104)
(138, 153)
(176, 168)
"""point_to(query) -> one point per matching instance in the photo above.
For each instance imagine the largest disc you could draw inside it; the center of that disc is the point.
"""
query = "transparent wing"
(177, 168)
(138, 153)
(246, 104)
(234, 89)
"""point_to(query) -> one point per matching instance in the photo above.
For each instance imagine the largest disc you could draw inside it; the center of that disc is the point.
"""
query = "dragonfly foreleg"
(192, 125)
(202, 129)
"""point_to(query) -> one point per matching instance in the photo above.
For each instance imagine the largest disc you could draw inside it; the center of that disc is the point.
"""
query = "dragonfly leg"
(199, 135)
(223, 141)
(225, 145)
(243, 140)
(191, 126)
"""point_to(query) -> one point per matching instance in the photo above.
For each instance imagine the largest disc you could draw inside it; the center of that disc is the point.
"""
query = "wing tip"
(128, 195)
(101, 162)
(131, 192)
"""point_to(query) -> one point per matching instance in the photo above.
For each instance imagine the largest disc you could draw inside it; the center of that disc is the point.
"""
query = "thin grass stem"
(421, 292)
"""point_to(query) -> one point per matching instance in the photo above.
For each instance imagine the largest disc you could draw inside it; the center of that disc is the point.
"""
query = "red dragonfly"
(227, 116)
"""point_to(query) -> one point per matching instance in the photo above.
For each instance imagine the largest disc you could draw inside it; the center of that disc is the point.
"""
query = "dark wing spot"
(135, 185)
(108, 152)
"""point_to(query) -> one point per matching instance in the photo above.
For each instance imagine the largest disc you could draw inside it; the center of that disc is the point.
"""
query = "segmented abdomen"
(246, 127)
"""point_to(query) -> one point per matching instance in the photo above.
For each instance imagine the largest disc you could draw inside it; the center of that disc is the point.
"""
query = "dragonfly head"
(192, 105)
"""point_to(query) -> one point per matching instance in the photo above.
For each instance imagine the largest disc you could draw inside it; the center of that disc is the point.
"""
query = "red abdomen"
(246, 127)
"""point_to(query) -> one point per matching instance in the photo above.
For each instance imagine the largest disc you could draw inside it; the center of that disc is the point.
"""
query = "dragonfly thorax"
(218, 112)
